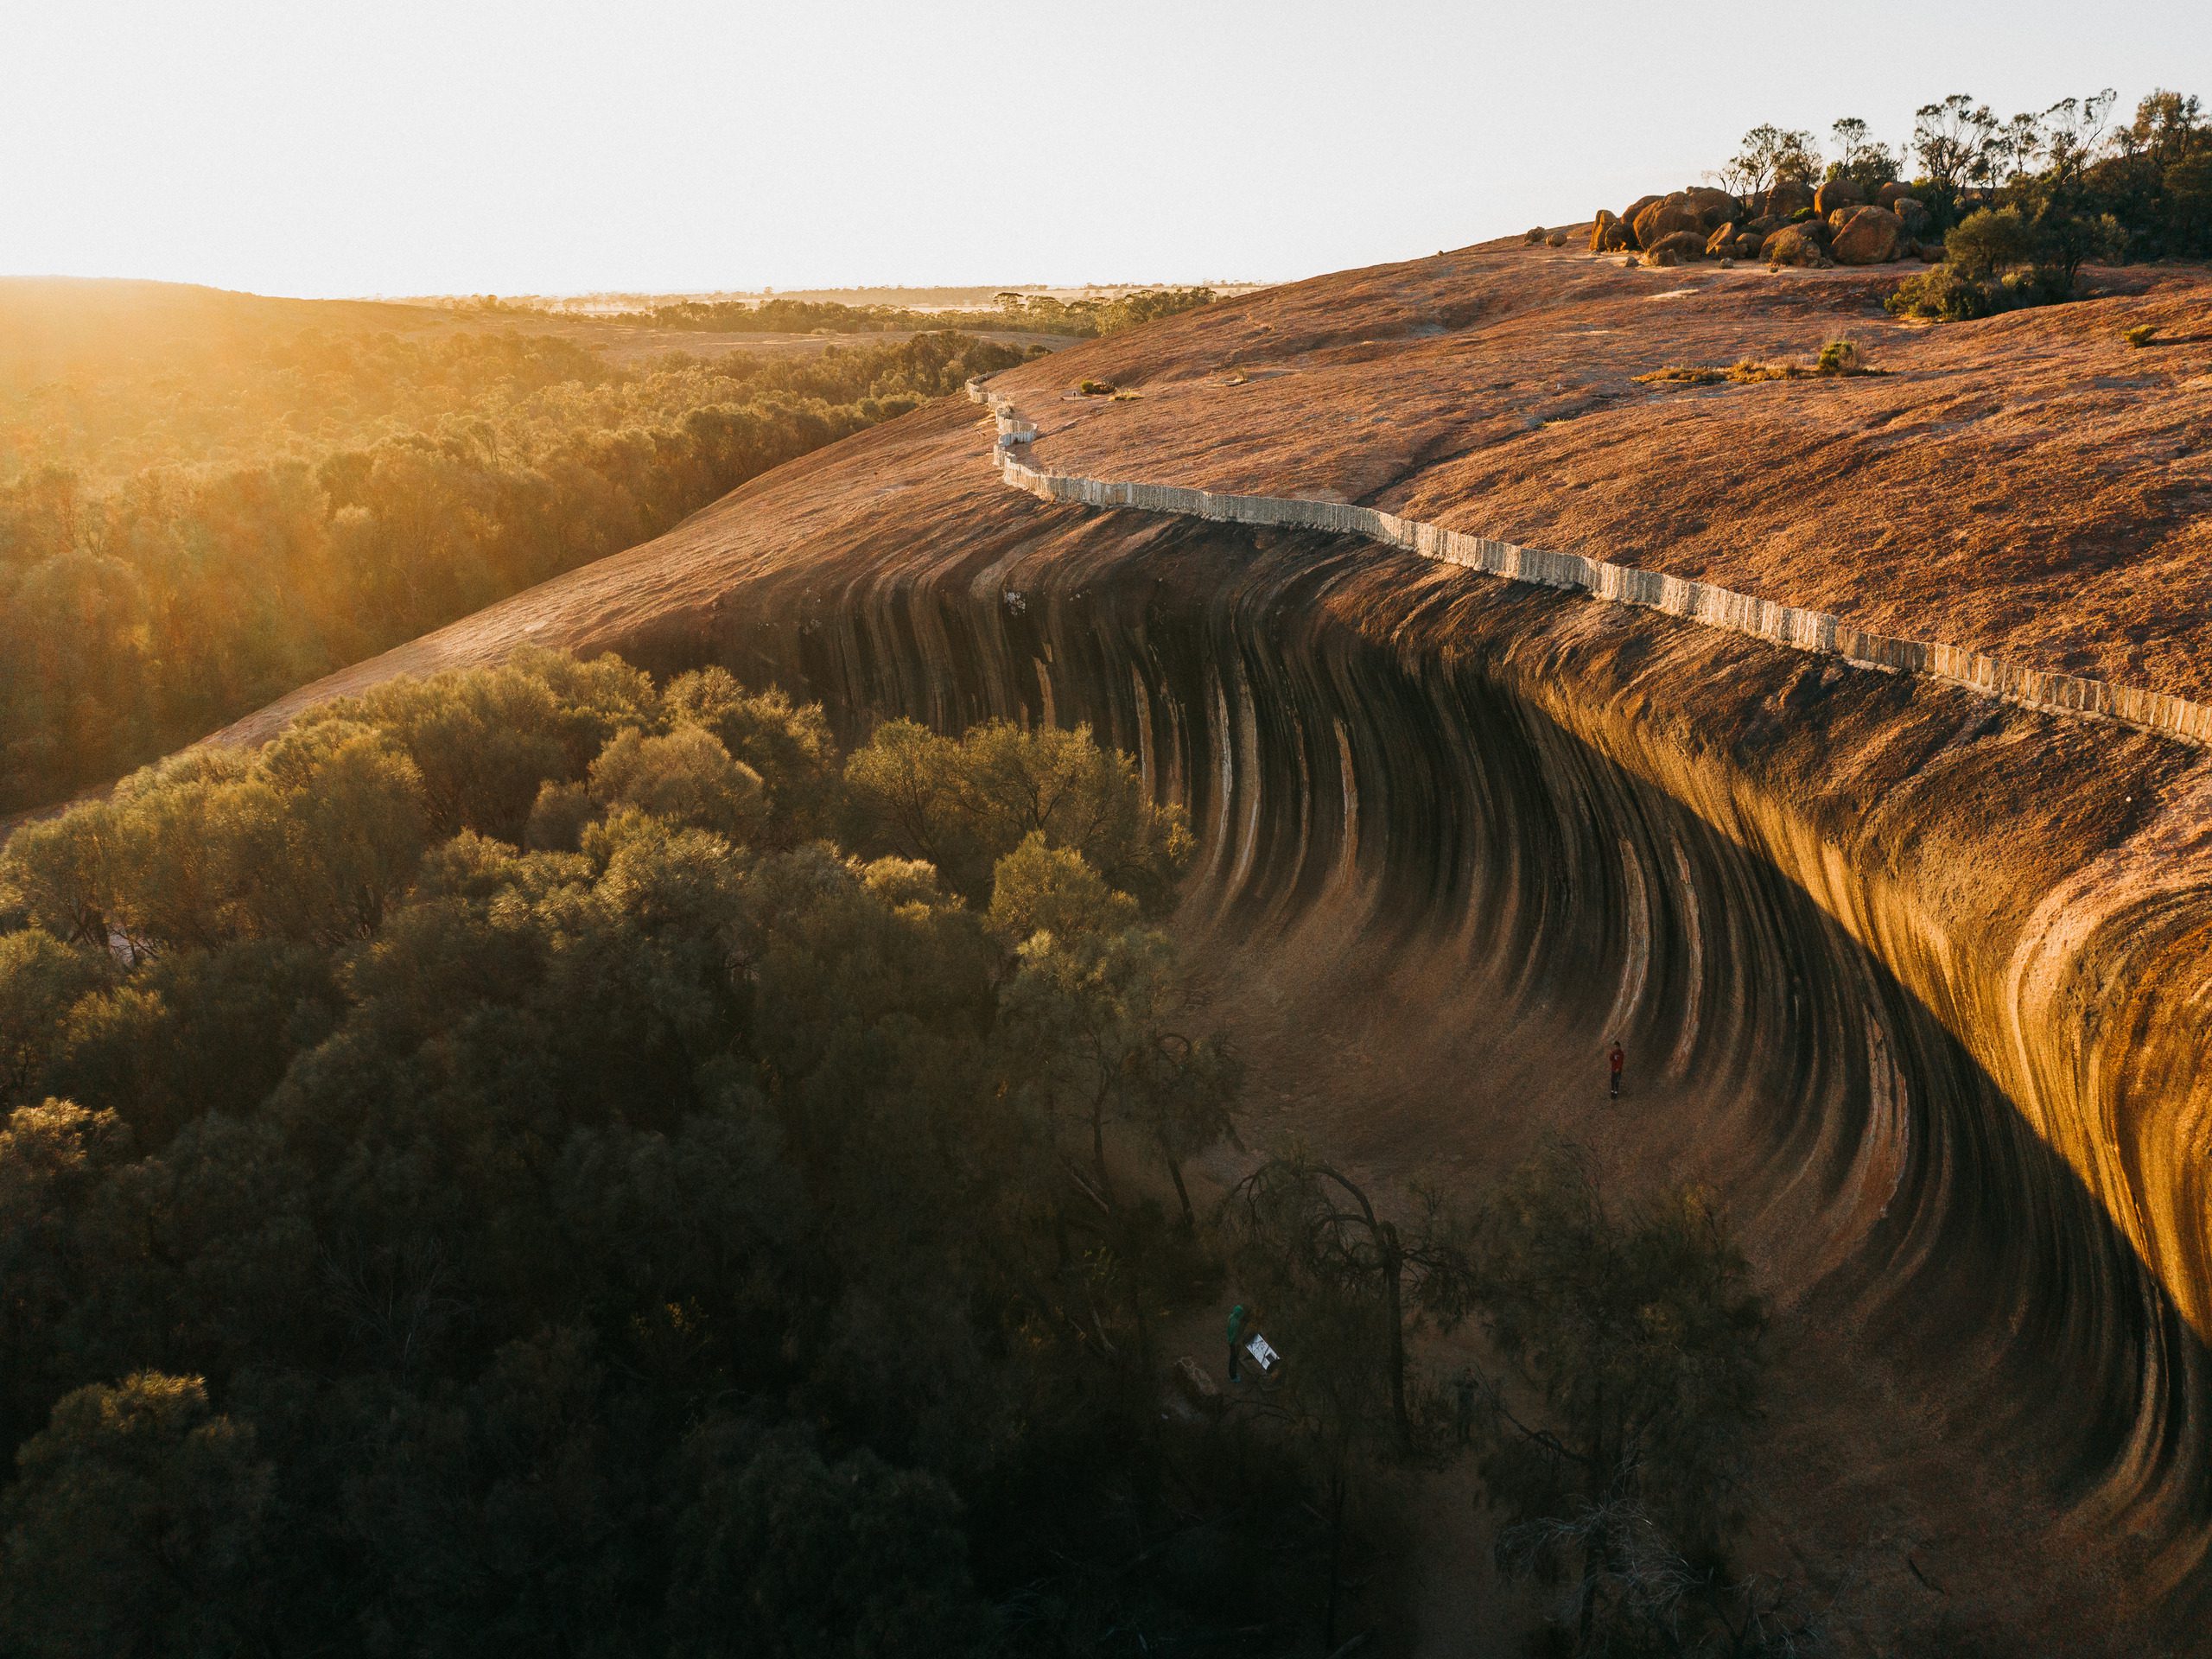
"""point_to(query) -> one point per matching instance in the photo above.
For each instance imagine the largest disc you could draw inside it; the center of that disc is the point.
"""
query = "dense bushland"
(492, 1171)
(195, 541)
(484, 1173)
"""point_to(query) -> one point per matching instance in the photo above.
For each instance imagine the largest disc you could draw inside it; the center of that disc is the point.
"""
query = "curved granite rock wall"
(1944, 1015)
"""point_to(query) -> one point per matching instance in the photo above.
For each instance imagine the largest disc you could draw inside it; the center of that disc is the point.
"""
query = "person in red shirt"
(1615, 1060)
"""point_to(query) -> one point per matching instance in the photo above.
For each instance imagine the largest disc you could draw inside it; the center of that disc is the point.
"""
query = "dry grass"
(1839, 359)
(1743, 373)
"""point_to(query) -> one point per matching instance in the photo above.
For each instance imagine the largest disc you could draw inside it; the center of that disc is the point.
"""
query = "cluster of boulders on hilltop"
(1793, 223)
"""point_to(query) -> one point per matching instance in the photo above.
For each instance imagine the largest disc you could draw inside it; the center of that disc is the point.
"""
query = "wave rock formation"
(1922, 977)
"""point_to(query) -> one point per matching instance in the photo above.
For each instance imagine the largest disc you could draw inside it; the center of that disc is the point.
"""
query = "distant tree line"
(146, 610)
(221, 400)
(1038, 314)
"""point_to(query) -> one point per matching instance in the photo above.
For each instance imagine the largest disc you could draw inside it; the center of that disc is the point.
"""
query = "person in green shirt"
(1235, 1332)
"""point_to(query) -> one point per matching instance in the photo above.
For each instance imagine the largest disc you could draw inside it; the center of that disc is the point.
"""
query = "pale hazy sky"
(327, 147)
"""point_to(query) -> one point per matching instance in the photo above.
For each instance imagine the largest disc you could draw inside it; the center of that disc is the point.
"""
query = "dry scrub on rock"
(1837, 358)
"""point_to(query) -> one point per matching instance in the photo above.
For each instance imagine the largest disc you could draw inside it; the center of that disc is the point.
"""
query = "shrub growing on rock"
(1991, 242)
(2000, 259)
(1839, 357)
(682, 1241)
(1944, 294)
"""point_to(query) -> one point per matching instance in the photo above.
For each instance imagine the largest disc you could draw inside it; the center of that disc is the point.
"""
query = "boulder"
(1931, 253)
(1663, 218)
(1912, 211)
(1760, 225)
(1869, 237)
(1615, 238)
(1701, 209)
(1839, 192)
(1888, 195)
(1605, 220)
(1556, 239)
(1536, 234)
(1714, 207)
(1794, 244)
(1786, 200)
(1723, 240)
(1676, 248)
(1634, 208)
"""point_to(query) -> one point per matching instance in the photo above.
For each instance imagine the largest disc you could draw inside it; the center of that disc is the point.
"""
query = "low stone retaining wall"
(1696, 601)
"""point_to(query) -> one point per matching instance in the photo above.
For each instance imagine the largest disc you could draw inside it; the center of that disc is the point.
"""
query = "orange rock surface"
(2028, 485)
